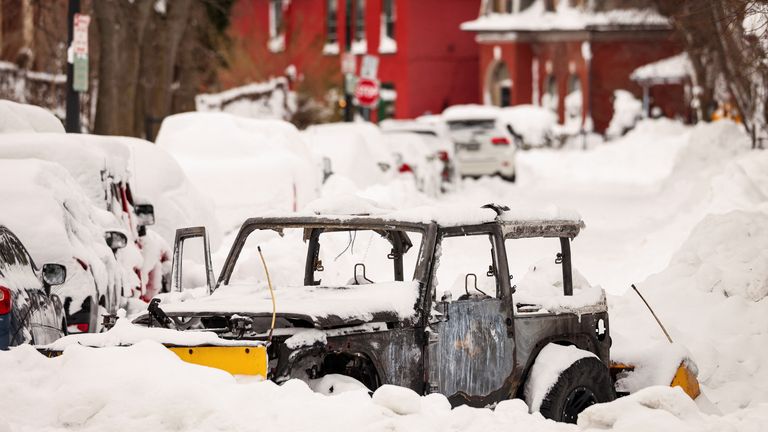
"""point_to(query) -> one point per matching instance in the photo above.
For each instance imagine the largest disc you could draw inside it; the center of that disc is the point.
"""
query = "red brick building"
(425, 58)
(541, 51)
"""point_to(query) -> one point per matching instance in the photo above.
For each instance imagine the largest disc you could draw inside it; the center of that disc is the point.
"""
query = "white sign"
(80, 35)
(370, 67)
(348, 63)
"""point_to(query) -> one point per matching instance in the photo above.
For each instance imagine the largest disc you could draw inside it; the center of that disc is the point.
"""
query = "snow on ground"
(680, 211)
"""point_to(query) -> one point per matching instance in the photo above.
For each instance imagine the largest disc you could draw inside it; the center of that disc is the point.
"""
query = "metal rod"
(271, 294)
(653, 313)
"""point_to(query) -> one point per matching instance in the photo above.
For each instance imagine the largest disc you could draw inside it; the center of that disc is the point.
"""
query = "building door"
(499, 86)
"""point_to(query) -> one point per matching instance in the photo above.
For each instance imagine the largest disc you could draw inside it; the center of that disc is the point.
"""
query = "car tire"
(584, 383)
(510, 178)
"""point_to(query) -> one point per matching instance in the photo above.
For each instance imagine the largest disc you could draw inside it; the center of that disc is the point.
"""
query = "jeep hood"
(324, 307)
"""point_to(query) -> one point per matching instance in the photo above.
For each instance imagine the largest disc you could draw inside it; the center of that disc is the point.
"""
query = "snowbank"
(627, 111)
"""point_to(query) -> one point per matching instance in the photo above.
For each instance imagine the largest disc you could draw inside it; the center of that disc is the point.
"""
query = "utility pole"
(348, 48)
(72, 122)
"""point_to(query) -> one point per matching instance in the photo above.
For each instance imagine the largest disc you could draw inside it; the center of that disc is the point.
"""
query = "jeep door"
(471, 347)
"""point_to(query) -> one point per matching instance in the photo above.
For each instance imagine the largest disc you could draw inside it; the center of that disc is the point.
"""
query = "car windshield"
(456, 125)
(338, 256)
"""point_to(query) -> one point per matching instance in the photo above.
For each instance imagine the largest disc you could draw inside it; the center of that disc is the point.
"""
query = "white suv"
(483, 145)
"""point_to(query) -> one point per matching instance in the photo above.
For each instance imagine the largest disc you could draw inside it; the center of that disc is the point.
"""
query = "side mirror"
(115, 240)
(53, 274)
(145, 214)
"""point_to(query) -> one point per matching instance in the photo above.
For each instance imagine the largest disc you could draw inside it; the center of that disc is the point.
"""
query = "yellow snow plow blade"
(686, 380)
(684, 377)
(235, 360)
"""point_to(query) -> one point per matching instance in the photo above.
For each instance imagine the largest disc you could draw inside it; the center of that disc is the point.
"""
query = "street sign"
(367, 92)
(370, 67)
(350, 83)
(80, 52)
(348, 63)
(80, 35)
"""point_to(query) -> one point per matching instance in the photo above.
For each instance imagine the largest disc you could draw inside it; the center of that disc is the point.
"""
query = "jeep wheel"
(584, 383)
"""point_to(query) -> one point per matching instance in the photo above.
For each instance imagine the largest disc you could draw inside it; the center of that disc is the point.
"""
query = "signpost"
(80, 52)
(367, 92)
(370, 67)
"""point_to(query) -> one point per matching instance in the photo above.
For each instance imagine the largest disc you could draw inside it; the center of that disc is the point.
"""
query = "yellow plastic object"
(686, 380)
(237, 360)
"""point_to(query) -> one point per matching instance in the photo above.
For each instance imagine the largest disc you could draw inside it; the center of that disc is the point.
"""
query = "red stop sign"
(367, 92)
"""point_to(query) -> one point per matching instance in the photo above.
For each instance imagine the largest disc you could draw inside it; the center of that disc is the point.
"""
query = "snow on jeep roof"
(471, 112)
(517, 221)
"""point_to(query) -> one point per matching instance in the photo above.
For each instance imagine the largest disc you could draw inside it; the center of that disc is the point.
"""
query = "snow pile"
(669, 409)
(400, 400)
(18, 117)
(542, 287)
(655, 363)
(627, 111)
(534, 124)
(642, 157)
(712, 299)
(552, 360)
(124, 334)
(245, 165)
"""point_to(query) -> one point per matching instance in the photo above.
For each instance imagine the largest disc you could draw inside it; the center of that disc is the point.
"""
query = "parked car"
(345, 152)
(29, 311)
(366, 134)
(436, 137)
(483, 144)
(101, 166)
(414, 155)
(531, 126)
(244, 165)
(57, 222)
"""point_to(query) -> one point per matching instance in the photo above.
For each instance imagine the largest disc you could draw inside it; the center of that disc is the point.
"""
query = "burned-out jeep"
(437, 300)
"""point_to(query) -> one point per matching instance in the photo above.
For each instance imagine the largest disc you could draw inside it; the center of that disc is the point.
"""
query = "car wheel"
(584, 383)
(510, 178)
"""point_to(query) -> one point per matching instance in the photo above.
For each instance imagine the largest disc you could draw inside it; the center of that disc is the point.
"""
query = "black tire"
(586, 382)
(512, 178)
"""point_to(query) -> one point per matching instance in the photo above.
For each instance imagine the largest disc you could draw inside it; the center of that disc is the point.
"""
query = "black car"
(29, 313)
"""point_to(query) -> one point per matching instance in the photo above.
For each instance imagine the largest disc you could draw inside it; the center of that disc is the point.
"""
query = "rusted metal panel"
(471, 354)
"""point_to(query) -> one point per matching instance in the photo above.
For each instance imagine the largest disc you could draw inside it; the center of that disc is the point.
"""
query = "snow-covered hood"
(322, 306)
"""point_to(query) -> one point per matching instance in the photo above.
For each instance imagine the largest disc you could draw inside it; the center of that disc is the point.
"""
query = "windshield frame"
(316, 224)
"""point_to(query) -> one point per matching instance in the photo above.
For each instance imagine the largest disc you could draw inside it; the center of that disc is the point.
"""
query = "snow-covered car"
(391, 298)
(435, 135)
(415, 156)
(57, 222)
(483, 144)
(531, 126)
(345, 154)
(29, 312)
(245, 165)
(102, 167)
(19, 117)
(365, 134)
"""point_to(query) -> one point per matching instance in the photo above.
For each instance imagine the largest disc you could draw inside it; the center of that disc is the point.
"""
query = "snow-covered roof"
(18, 117)
(565, 18)
(669, 70)
(471, 112)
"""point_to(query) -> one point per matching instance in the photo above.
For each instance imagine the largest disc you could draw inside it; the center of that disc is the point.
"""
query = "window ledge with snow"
(331, 48)
(277, 44)
(387, 45)
(359, 47)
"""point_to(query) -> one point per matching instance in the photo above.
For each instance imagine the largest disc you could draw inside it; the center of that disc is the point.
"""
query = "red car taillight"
(499, 141)
(83, 327)
(405, 168)
(443, 155)
(5, 300)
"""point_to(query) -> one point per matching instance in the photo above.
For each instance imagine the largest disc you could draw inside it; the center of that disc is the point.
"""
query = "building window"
(387, 43)
(550, 98)
(500, 86)
(502, 6)
(574, 106)
(359, 44)
(331, 27)
(276, 26)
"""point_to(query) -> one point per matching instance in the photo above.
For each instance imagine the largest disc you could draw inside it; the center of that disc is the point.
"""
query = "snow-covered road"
(682, 212)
